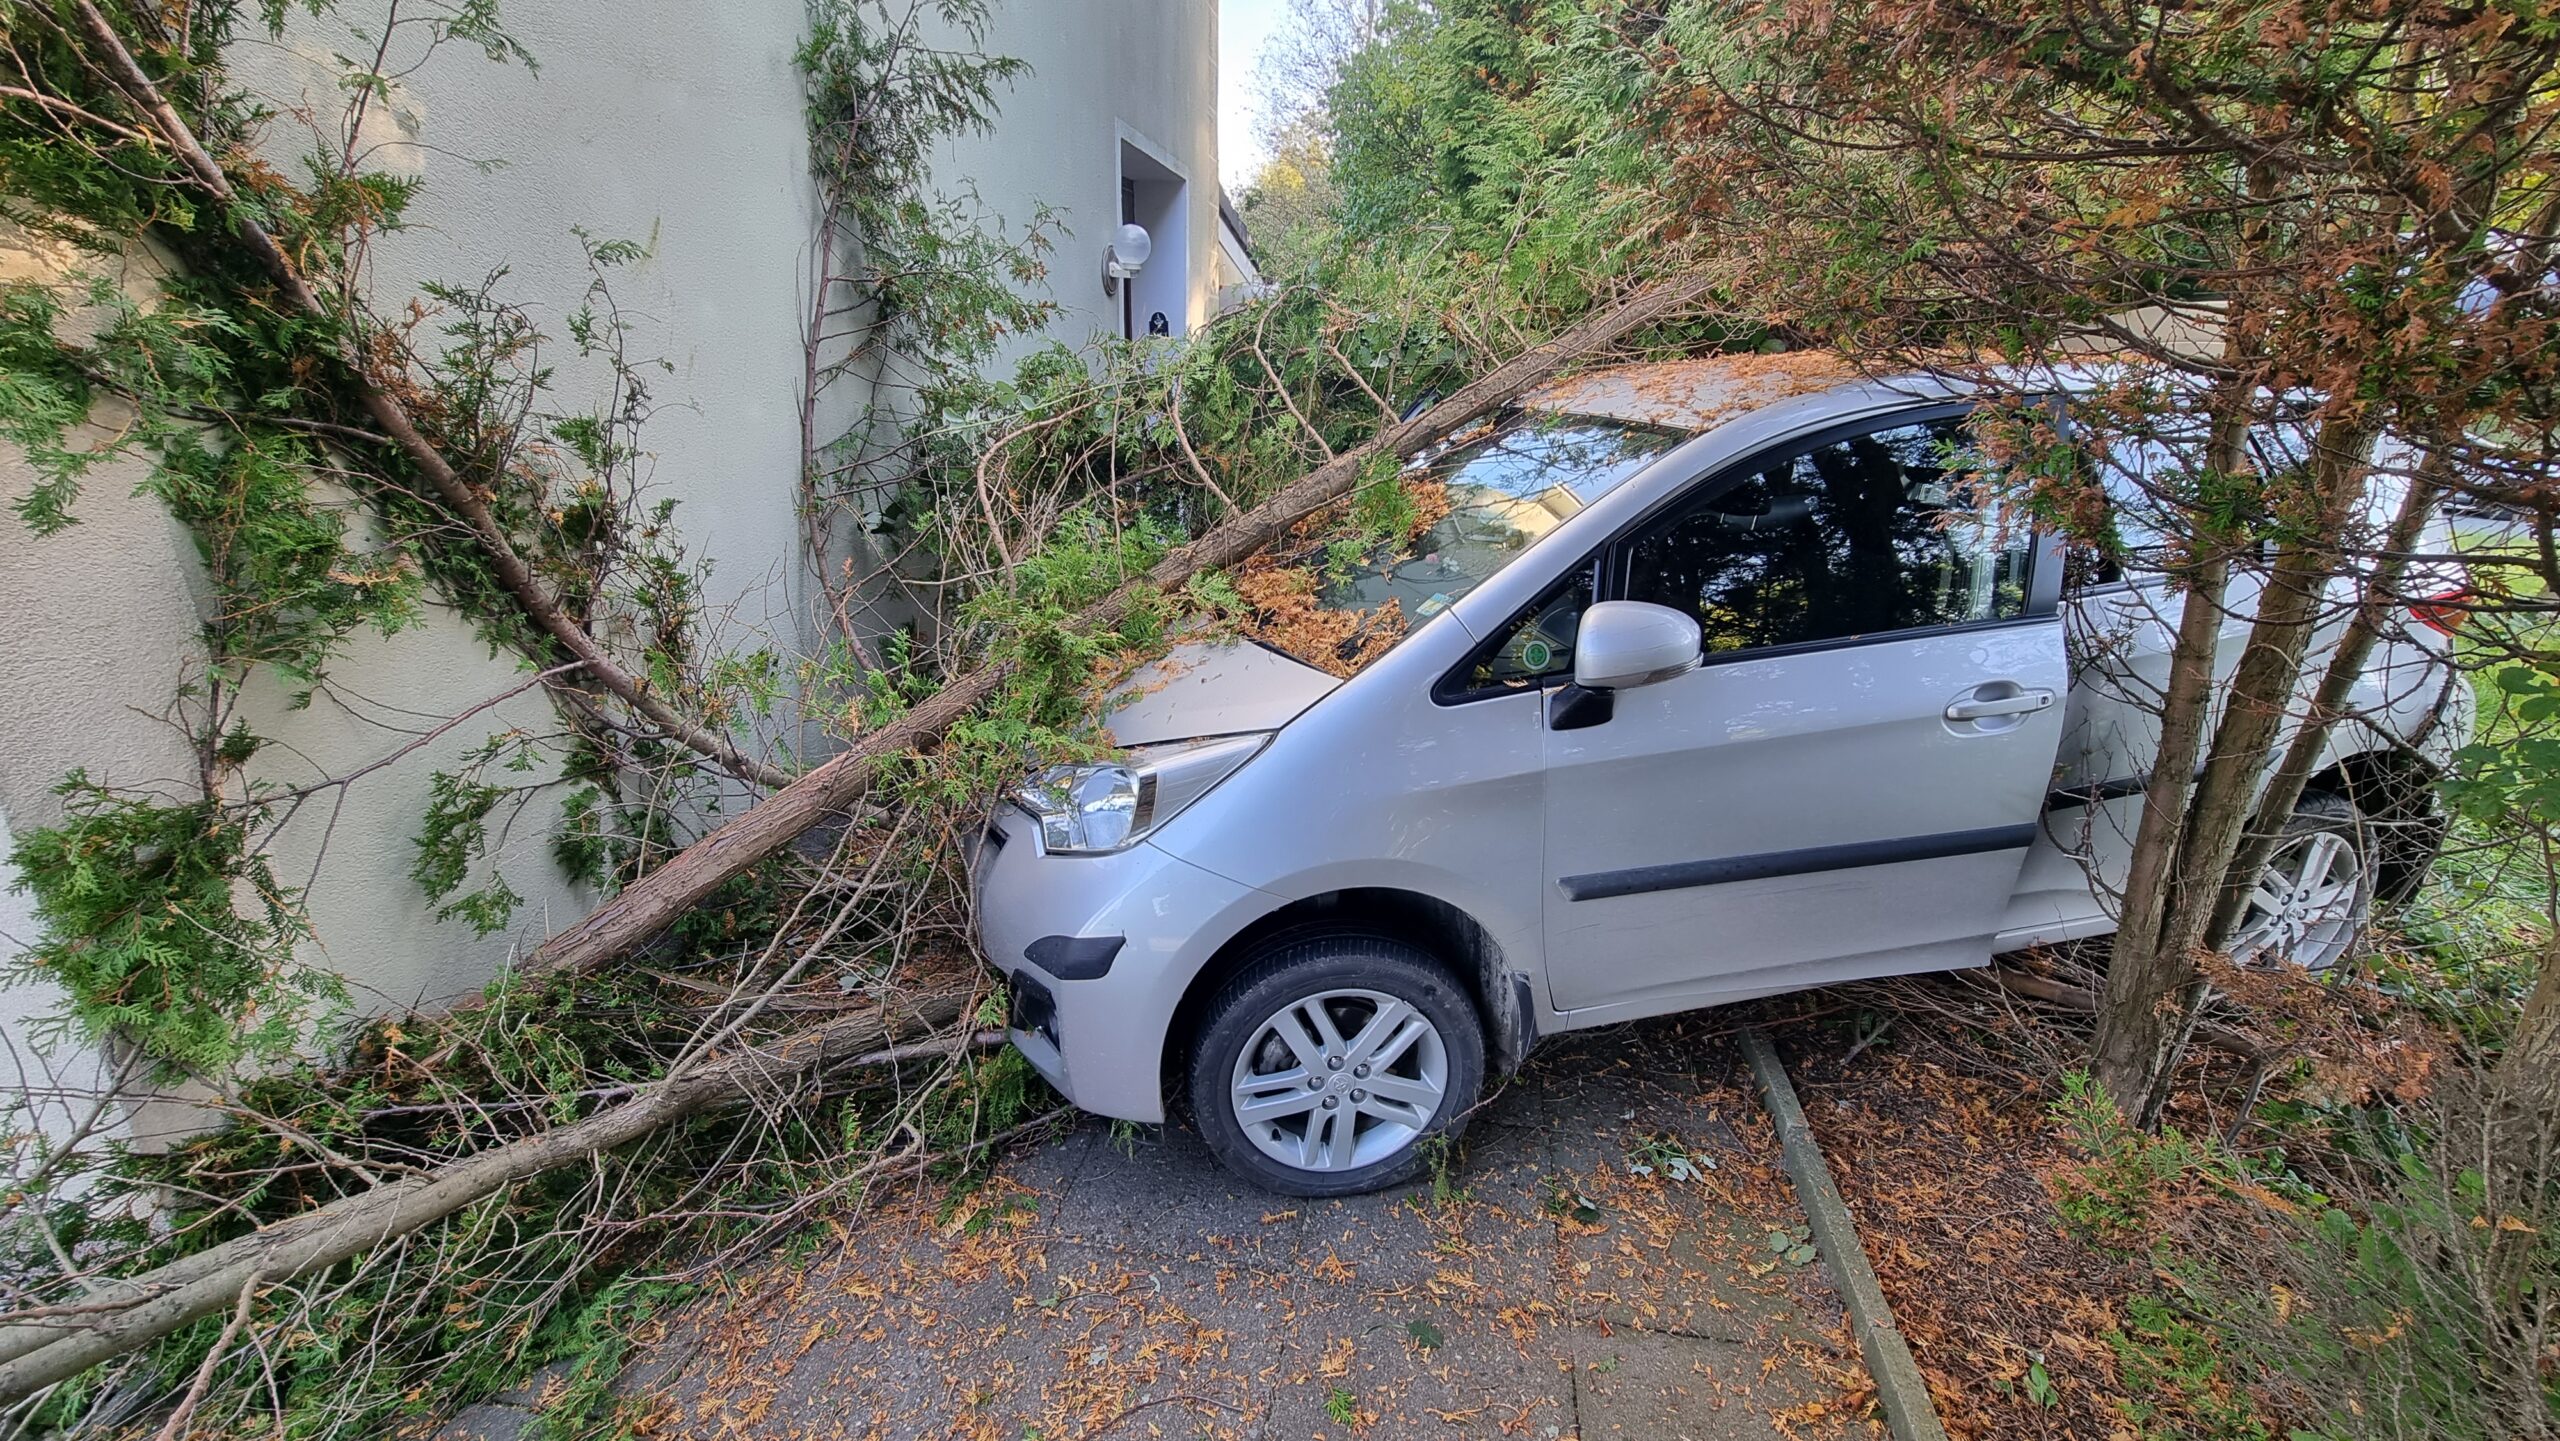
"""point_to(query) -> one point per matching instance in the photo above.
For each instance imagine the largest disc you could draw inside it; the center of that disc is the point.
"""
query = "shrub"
(2428, 1304)
(2114, 1196)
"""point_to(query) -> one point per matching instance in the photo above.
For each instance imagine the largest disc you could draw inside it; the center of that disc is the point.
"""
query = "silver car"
(1720, 683)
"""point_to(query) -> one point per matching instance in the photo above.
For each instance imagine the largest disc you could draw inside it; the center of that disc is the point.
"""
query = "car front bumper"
(1090, 1015)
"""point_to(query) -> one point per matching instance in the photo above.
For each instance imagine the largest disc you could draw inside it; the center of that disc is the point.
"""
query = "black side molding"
(1680, 875)
(1075, 958)
(2060, 799)
(2097, 795)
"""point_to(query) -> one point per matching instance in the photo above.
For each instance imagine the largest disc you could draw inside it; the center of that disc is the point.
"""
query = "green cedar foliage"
(147, 927)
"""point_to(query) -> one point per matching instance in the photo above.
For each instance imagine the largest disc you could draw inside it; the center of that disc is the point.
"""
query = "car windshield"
(1506, 486)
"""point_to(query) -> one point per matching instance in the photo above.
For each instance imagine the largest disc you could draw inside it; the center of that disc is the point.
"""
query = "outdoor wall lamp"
(1125, 256)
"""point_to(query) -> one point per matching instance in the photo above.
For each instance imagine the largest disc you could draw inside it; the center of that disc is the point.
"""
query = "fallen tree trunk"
(35, 1355)
(133, 1312)
(651, 903)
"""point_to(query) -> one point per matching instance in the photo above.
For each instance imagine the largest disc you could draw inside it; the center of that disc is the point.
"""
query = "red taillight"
(2444, 613)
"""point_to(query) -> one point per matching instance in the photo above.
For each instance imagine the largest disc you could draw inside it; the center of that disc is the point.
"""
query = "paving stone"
(488, 1421)
(1494, 1247)
(1438, 1371)
(1653, 1387)
(1096, 1335)
(1674, 1268)
(1167, 1196)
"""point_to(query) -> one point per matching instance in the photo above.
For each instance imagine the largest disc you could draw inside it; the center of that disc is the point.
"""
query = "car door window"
(1892, 530)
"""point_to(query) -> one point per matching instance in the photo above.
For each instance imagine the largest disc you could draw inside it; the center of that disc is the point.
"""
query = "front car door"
(1847, 785)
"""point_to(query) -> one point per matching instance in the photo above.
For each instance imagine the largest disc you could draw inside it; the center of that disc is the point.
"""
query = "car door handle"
(1998, 698)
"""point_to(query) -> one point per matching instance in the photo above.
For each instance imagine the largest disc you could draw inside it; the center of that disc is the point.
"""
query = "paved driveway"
(1548, 1288)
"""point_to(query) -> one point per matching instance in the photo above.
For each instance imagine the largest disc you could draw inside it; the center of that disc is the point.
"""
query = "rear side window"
(1887, 531)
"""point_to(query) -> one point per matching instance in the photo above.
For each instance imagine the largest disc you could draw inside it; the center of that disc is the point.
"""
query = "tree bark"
(2528, 1076)
(36, 1355)
(2137, 1030)
(649, 904)
(2258, 698)
(393, 420)
(2136, 1033)
(2262, 686)
(2284, 788)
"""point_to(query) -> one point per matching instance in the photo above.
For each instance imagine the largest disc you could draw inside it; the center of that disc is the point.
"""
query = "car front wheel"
(1329, 1065)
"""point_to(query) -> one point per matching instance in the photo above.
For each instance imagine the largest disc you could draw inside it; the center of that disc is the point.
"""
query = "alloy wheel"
(2311, 898)
(1339, 1079)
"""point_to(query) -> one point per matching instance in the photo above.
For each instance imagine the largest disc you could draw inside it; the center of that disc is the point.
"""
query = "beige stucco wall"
(1102, 70)
(674, 125)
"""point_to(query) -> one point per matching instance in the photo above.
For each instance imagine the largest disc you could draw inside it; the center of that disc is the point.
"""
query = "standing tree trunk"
(2263, 685)
(2138, 1027)
(2346, 666)
(2528, 1076)
(2163, 990)
(2137, 1031)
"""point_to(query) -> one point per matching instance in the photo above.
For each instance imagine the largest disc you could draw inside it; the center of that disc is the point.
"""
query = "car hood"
(1212, 688)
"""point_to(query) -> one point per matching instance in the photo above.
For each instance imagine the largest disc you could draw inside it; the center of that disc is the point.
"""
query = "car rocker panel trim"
(1767, 865)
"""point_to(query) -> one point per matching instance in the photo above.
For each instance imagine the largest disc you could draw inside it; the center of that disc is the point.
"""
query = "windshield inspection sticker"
(1438, 603)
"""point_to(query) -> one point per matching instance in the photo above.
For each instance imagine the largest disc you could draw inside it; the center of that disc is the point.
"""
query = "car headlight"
(1094, 809)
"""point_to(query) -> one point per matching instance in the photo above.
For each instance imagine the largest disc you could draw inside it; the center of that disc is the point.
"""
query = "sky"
(1243, 25)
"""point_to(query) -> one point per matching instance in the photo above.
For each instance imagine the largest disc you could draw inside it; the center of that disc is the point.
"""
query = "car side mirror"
(1625, 643)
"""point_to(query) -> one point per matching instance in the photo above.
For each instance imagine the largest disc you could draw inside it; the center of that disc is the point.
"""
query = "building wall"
(1103, 72)
(674, 125)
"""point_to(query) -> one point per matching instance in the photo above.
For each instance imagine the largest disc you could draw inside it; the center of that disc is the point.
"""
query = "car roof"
(1697, 394)
(1703, 392)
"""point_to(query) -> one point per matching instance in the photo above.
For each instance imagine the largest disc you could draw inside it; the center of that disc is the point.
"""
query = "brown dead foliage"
(1280, 589)
(2358, 1046)
(1944, 1143)
(1948, 1168)
(1696, 394)
(1285, 614)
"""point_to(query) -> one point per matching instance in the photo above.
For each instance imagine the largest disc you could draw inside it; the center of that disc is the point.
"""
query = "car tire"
(1294, 1143)
(2321, 938)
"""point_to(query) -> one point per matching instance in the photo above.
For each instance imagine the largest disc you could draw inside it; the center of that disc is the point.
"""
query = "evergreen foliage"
(145, 925)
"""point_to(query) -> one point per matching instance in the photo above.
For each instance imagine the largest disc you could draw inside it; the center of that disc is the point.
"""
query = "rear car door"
(1848, 784)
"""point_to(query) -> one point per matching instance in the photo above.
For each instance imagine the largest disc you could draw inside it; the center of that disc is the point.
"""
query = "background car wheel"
(2314, 894)
(1328, 1064)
